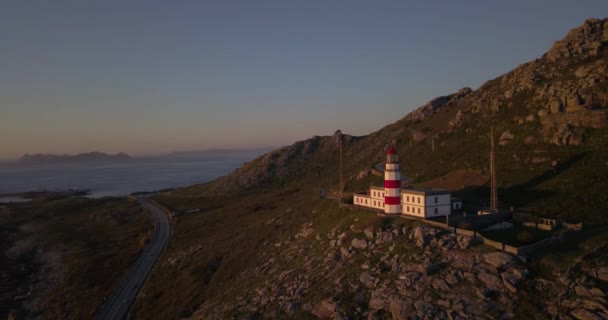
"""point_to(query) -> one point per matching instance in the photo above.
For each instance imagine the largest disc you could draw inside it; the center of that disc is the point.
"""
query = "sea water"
(121, 178)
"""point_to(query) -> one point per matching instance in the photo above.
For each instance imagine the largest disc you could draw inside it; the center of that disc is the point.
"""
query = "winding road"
(118, 304)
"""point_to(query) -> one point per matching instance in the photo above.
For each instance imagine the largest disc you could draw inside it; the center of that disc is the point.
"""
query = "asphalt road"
(117, 305)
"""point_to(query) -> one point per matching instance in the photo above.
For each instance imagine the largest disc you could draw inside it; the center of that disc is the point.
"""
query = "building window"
(418, 210)
(436, 211)
(435, 199)
(408, 198)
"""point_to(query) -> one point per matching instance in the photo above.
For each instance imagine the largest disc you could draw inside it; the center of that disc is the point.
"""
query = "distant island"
(40, 158)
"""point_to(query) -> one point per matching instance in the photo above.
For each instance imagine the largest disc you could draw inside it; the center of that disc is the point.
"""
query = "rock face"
(359, 244)
(434, 105)
(498, 259)
(505, 137)
(583, 42)
(375, 281)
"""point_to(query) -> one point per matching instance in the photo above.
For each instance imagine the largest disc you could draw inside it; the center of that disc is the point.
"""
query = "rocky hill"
(287, 254)
(263, 244)
(550, 116)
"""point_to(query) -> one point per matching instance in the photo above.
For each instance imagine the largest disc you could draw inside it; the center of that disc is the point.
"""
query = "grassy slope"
(95, 240)
(209, 248)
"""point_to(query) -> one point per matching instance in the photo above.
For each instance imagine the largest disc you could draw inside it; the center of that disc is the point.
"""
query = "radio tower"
(493, 193)
(339, 139)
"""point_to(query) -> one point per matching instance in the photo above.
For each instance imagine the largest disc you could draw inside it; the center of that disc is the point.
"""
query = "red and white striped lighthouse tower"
(392, 183)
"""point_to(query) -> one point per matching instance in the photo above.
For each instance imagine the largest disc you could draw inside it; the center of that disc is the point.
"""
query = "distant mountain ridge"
(81, 157)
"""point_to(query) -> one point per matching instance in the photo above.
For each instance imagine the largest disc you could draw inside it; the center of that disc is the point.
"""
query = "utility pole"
(341, 173)
(493, 193)
(339, 140)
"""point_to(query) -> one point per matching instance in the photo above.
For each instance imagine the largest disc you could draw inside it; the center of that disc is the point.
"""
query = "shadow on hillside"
(478, 197)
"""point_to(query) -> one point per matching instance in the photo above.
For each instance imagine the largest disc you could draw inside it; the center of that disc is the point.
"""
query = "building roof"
(377, 188)
(425, 191)
(390, 150)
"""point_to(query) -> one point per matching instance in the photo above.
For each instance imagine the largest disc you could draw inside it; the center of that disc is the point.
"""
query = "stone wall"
(479, 222)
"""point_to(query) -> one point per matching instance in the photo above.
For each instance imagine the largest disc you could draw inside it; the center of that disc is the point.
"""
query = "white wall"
(376, 193)
(442, 199)
(366, 201)
(442, 210)
(412, 199)
(412, 210)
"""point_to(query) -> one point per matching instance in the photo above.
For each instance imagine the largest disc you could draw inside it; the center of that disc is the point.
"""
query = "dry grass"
(80, 246)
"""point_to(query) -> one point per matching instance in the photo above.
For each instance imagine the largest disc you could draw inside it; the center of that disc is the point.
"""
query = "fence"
(479, 222)
(526, 250)
(486, 220)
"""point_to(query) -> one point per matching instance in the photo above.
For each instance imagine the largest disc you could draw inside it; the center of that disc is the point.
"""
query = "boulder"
(582, 71)
(378, 300)
(530, 118)
(369, 232)
(324, 310)
(368, 280)
(510, 281)
(601, 274)
(420, 237)
(359, 244)
(439, 284)
(427, 268)
(344, 252)
(363, 174)
(543, 113)
(399, 309)
(498, 259)
(582, 314)
(505, 137)
(464, 241)
(491, 281)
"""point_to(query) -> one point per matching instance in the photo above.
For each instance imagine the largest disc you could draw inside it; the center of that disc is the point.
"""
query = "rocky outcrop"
(276, 166)
(434, 105)
(583, 42)
(424, 279)
(505, 137)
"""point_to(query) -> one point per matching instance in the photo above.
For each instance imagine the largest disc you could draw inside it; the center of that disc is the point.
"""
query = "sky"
(149, 77)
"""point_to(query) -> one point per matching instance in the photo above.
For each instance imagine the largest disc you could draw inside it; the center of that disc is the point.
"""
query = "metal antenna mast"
(493, 195)
(339, 140)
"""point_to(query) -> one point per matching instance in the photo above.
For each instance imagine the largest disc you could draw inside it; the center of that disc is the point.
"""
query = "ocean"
(122, 178)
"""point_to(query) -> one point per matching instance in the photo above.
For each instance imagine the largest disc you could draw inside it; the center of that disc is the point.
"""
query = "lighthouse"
(392, 183)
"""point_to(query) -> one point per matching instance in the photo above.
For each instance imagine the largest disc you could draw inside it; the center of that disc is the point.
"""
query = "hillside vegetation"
(550, 117)
(62, 255)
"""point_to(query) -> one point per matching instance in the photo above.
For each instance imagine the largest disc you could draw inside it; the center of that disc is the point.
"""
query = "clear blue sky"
(157, 76)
